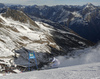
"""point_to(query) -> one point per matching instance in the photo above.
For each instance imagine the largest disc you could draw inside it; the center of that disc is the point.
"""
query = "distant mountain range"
(84, 20)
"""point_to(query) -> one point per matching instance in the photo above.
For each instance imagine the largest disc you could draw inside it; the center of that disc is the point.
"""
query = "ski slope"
(86, 71)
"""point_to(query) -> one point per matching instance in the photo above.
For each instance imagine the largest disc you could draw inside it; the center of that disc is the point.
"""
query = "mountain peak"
(89, 5)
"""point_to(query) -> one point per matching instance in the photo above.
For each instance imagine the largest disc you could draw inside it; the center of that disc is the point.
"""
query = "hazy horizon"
(50, 2)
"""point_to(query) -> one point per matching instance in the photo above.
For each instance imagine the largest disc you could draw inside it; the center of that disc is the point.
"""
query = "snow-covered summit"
(89, 5)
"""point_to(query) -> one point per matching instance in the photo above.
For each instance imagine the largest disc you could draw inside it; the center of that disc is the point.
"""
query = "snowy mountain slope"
(87, 71)
(21, 32)
(83, 66)
(18, 33)
(84, 20)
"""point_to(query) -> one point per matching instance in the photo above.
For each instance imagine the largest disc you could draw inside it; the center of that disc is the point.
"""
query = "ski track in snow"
(86, 71)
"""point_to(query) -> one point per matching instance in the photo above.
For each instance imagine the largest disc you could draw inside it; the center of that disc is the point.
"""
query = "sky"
(51, 2)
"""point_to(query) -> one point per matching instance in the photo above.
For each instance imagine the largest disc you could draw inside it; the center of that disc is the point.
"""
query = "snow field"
(86, 71)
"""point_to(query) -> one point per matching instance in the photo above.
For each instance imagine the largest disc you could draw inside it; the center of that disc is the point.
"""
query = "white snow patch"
(76, 14)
